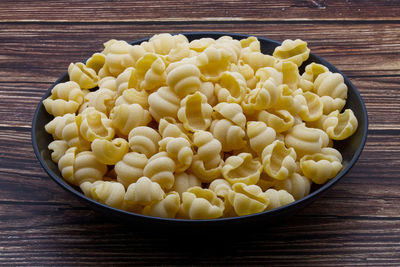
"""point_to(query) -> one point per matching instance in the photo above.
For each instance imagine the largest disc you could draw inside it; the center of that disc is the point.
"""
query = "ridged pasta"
(118, 57)
(247, 199)
(110, 152)
(165, 43)
(164, 103)
(330, 84)
(184, 79)
(96, 61)
(295, 51)
(65, 98)
(311, 106)
(82, 75)
(207, 162)
(109, 193)
(59, 147)
(306, 140)
(208, 89)
(330, 104)
(320, 167)
(340, 126)
(160, 168)
(179, 149)
(278, 161)
(279, 120)
(258, 60)
(133, 96)
(184, 181)
(264, 96)
(95, 124)
(212, 62)
(230, 111)
(130, 168)
(231, 87)
(108, 82)
(269, 73)
(297, 185)
(221, 188)
(125, 117)
(260, 135)
(143, 192)
(195, 112)
(102, 100)
(169, 127)
(231, 136)
(126, 80)
(150, 72)
(144, 140)
(278, 198)
(242, 169)
(198, 203)
(199, 45)
(165, 208)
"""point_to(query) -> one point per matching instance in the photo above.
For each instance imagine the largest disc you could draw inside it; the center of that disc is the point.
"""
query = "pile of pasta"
(198, 130)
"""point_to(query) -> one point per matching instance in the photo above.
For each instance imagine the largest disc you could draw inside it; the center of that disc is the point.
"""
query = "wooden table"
(357, 223)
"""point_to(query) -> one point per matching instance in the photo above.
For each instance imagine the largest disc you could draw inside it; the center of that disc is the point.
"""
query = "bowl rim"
(66, 186)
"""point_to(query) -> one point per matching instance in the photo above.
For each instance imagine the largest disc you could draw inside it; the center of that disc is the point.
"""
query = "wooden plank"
(42, 52)
(186, 10)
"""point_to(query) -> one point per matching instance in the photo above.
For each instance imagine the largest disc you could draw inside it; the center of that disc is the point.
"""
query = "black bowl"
(350, 148)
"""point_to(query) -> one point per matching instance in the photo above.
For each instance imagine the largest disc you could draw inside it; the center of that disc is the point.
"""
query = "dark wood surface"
(357, 223)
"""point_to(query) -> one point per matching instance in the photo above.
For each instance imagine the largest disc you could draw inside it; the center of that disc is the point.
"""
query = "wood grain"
(186, 10)
(356, 223)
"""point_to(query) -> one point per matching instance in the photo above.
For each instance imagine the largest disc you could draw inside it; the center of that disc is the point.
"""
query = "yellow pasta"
(179, 149)
(165, 208)
(130, 168)
(118, 57)
(260, 135)
(184, 181)
(59, 147)
(102, 100)
(330, 84)
(110, 152)
(278, 161)
(198, 203)
(164, 103)
(65, 98)
(295, 51)
(212, 62)
(96, 62)
(144, 140)
(95, 124)
(242, 169)
(160, 168)
(150, 72)
(169, 127)
(133, 96)
(340, 126)
(230, 135)
(184, 79)
(126, 117)
(278, 199)
(143, 192)
(109, 193)
(247, 199)
(320, 167)
(82, 75)
(231, 87)
(279, 120)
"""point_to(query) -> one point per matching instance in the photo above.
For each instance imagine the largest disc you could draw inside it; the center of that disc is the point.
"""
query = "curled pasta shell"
(165, 208)
(164, 103)
(290, 73)
(269, 73)
(65, 98)
(179, 149)
(133, 96)
(82, 75)
(258, 60)
(230, 111)
(87, 168)
(279, 120)
(108, 82)
(130, 168)
(320, 167)
(70, 133)
(330, 84)
(221, 187)
(278, 198)
(264, 96)
(118, 57)
(278, 161)
(102, 100)
(126, 80)
(201, 44)
(247, 199)
(169, 127)
(59, 147)
(126, 117)
(164, 43)
(195, 112)
(109, 193)
(231, 136)
(160, 168)
(312, 71)
(295, 51)
(242, 169)
(56, 125)
(306, 140)
(297, 185)
(143, 192)
(184, 79)
(198, 203)
(144, 140)
(207, 89)
(150, 72)
(340, 126)
(331, 104)
(95, 124)
(110, 152)
(231, 87)
(212, 62)
(260, 135)
(96, 61)
(184, 181)
(311, 106)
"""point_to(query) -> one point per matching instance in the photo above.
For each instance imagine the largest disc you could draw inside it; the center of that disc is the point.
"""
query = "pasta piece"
(306, 140)
(221, 188)
(130, 168)
(247, 199)
(290, 73)
(260, 135)
(207, 163)
(295, 51)
(264, 96)
(165, 208)
(126, 80)
(165, 43)
(95, 124)
(143, 192)
(212, 62)
(278, 161)
(184, 181)
(169, 127)
(108, 82)
(198, 203)
(133, 96)
(96, 62)
(199, 45)
(164, 103)
(65, 98)
(340, 126)
(279, 120)
(330, 84)
(119, 56)
(231, 46)
(179, 149)
(184, 79)
(109, 193)
(311, 106)
(144, 140)
(320, 167)
(55, 126)
(110, 152)
(287, 100)
(103, 100)
(178, 53)
(207, 89)
(251, 43)
(330, 104)
(126, 117)
(247, 73)
(59, 147)
(230, 111)
(269, 73)
(82, 75)
(195, 112)
(258, 60)
(278, 199)
(150, 72)
(242, 169)
(160, 168)
(231, 87)
(312, 71)
(231, 136)
(297, 185)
